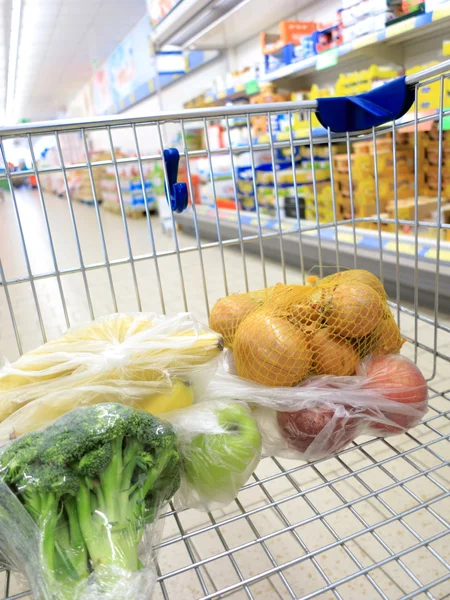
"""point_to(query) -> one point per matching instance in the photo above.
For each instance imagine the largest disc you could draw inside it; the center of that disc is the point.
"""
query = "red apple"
(398, 379)
(302, 427)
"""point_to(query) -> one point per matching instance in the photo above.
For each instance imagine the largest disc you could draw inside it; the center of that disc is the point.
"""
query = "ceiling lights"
(16, 16)
(191, 19)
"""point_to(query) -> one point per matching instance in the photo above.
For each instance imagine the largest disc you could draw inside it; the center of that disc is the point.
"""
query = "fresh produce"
(332, 355)
(354, 311)
(271, 350)
(92, 481)
(357, 276)
(337, 321)
(387, 337)
(330, 427)
(137, 352)
(218, 463)
(180, 396)
(41, 412)
(398, 380)
(229, 312)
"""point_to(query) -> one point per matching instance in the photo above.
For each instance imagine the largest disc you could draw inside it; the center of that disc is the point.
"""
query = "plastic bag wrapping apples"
(326, 413)
(220, 446)
(147, 361)
(79, 503)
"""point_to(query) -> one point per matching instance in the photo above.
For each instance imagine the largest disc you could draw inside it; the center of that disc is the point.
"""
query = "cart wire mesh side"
(372, 521)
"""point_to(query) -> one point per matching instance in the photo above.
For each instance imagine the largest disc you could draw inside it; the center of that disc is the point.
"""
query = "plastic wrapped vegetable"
(325, 413)
(148, 361)
(220, 446)
(166, 396)
(296, 331)
(93, 483)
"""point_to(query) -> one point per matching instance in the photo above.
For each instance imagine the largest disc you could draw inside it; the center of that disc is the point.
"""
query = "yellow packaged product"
(134, 359)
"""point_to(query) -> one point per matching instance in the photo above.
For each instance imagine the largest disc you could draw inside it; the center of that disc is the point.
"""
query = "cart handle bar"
(52, 127)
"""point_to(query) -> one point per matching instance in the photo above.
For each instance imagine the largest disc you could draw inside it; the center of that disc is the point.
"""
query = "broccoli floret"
(92, 481)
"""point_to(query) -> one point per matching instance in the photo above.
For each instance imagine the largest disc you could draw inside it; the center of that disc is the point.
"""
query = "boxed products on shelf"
(364, 17)
(294, 42)
(327, 38)
(133, 196)
(268, 94)
(80, 184)
(358, 82)
(429, 95)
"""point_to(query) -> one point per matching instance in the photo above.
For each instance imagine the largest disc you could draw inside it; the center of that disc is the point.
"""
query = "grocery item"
(161, 398)
(93, 482)
(130, 356)
(400, 381)
(228, 313)
(320, 329)
(302, 427)
(322, 415)
(220, 446)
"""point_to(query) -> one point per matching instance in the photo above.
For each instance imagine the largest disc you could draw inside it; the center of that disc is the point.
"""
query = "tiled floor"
(371, 522)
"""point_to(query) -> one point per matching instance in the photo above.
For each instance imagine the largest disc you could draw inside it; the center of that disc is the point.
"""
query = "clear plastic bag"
(220, 446)
(152, 362)
(325, 413)
(79, 502)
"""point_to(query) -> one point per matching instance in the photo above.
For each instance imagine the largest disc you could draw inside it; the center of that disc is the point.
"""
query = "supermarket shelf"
(367, 247)
(399, 32)
(248, 89)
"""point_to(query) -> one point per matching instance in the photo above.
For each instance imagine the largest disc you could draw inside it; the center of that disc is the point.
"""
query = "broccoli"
(92, 481)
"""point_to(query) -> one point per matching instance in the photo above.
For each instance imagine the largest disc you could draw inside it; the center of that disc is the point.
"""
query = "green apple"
(218, 464)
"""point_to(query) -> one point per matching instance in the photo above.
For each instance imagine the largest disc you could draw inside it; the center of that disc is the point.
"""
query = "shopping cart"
(370, 522)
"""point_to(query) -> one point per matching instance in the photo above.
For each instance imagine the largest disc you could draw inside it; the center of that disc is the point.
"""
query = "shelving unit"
(398, 33)
(342, 239)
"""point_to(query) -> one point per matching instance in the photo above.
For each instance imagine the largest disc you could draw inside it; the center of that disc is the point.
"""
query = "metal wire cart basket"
(372, 521)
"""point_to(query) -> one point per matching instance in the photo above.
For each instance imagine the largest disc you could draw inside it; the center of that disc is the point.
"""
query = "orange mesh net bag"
(295, 331)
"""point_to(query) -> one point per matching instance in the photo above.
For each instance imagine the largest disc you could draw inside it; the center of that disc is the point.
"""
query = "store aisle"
(180, 274)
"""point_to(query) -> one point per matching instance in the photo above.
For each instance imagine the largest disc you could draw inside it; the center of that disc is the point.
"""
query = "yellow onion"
(355, 310)
(229, 312)
(387, 337)
(332, 355)
(271, 350)
(355, 276)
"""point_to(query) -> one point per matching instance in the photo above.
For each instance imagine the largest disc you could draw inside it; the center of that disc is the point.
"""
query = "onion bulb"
(387, 337)
(333, 355)
(229, 312)
(356, 276)
(354, 311)
(271, 350)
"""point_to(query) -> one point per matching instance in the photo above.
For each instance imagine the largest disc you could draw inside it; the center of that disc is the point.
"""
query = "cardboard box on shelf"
(406, 208)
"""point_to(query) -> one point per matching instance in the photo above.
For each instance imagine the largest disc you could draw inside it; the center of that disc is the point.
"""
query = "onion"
(354, 311)
(387, 337)
(302, 427)
(229, 312)
(332, 355)
(270, 350)
(397, 379)
(356, 276)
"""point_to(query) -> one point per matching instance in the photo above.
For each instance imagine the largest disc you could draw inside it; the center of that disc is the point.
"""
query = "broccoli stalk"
(92, 481)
